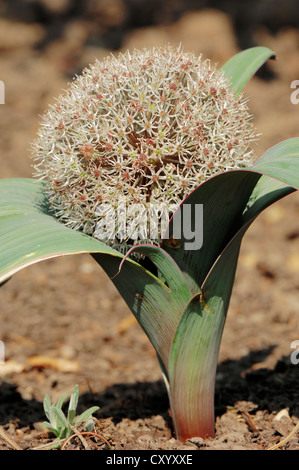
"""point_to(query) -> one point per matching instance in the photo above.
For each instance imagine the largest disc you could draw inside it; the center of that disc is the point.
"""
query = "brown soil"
(62, 321)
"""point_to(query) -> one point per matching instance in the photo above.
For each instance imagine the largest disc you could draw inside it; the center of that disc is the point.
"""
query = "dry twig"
(90, 433)
(286, 439)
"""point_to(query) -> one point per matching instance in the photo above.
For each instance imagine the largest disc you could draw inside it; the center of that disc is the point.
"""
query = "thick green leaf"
(224, 198)
(62, 424)
(60, 402)
(172, 277)
(279, 166)
(194, 354)
(243, 65)
(86, 414)
(281, 162)
(267, 191)
(156, 307)
(28, 233)
(231, 201)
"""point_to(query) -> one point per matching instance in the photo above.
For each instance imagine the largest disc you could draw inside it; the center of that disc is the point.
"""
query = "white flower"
(148, 127)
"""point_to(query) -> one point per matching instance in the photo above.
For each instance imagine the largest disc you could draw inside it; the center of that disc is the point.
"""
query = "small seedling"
(63, 426)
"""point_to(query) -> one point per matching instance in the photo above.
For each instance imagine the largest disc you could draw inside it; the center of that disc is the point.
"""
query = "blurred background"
(67, 308)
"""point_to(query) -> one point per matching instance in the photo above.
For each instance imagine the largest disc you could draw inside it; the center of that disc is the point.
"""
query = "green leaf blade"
(74, 399)
(167, 270)
(151, 301)
(85, 415)
(194, 353)
(281, 162)
(47, 406)
(28, 234)
(62, 425)
(50, 428)
(224, 198)
(60, 402)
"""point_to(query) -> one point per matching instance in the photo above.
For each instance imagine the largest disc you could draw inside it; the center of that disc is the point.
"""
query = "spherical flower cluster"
(146, 128)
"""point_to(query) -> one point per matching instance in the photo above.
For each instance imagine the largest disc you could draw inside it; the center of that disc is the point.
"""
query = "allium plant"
(152, 129)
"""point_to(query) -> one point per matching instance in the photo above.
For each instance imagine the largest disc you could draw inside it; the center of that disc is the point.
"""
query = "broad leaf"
(167, 270)
(85, 415)
(29, 234)
(73, 403)
(194, 354)
(156, 307)
(243, 65)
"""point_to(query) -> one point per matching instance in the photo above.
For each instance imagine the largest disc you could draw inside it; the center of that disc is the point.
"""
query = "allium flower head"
(146, 128)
